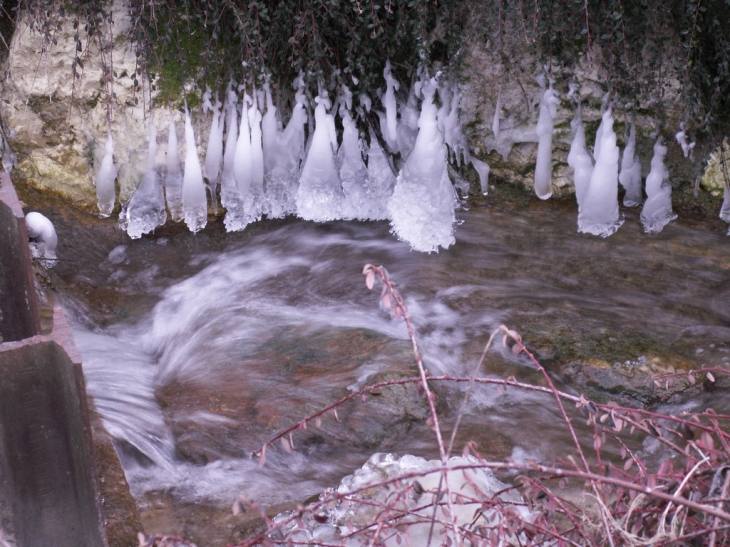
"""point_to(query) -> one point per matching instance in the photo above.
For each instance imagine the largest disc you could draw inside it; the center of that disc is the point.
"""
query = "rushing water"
(196, 353)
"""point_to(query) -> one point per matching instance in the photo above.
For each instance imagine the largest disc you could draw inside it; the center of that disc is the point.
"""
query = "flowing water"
(197, 348)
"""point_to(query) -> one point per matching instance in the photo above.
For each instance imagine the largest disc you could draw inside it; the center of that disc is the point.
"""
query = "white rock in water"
(195, 204)
(599, 214)
(423, 202)
(319, 197)
(41, 229)
(105, 178)
(657, 211)
(579, 159)
(630, 176)
(173, 175)
(146, 209)
(544, 130)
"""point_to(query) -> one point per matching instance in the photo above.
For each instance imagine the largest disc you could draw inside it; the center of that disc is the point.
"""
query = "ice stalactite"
(173, 174)
(630, 175)
(599, 214)
(214, 151)
(283, 154)
(41, 229)
(230, 195)
(257, 201)
(248, 167)
(389, 121)
(579, 159)
(194, 201)
(408, 126)
(356, 203)
(482, 169)
(146, 209)
(544, 130)
(683, 141)
(657, 211)
(497, 112)
(319, 196)
(423, 201)
(448, 122)
(381, 179)
(725, 209)
(105, 180)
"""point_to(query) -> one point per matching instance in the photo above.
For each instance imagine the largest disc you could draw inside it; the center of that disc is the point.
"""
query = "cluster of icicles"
(596, 177)
(264, 168)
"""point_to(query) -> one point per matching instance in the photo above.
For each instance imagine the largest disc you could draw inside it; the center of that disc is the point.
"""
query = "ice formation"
(579, 159)
(105, 179)
(283, 154)
(356, 203)
(256, 199)
(657, 211)
(146, 209)
(467, 484)
(448, 122)
(495, 120)
(725, 209)
(195, 204)
(544, 165)
(683, 141)
(230, 195)
(319, 196)
(630, 176)
(482, 169)
(10, 160)
(408, 126)
(389, 122)
(422, 206)
(381, 180)
(214, 151)
(41, 229)
(173, 174)
(599, 214)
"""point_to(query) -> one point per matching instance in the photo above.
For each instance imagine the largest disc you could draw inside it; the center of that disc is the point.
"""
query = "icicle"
(105, 191)
(41, 229)
(544, 130)
(231, 196)
(319, 196)
(195, 204)
(683, 141)
(630, 176)
(579, 159)
(408, 126)
(214, 152)
(390, 127)
(599, 214)
(353, 173)
(448, 120)
(725, 209)
(657, 211)
(497, 110)
(257, 156)
(482, 168)
(146, 209)
(242, 161)
(604, 106)
(283, 153)
(423, 201)
(10, 160)
(173, 176)
(381, 180)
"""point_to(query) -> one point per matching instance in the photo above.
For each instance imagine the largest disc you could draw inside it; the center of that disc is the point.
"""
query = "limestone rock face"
(58, 124)
(713, 178)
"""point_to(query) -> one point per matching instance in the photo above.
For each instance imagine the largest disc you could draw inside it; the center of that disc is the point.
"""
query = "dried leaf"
(318, 422)
(262, 456)
(691, 378)
(628, 463)
(285, 445)
(386, 301)
(142, 540)
(710, 377)
(370, 279)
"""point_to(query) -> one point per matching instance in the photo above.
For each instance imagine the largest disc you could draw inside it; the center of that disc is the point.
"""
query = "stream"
(198, 348)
